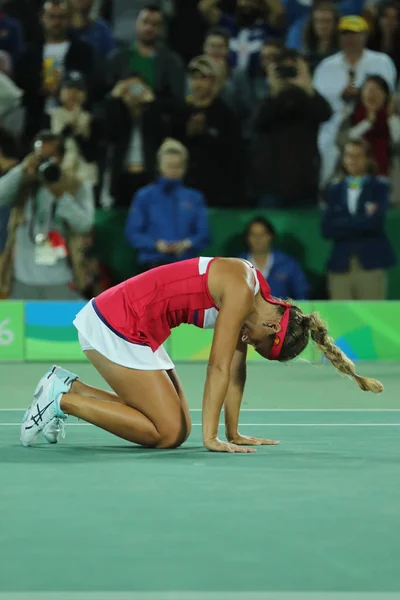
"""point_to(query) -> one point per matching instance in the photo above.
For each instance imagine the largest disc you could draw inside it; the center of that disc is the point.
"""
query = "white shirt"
(330, 78)
(134, 155)
(53, 58)
(353, 195)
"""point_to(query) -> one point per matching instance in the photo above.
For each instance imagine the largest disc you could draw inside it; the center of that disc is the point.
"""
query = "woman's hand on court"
(216, 445)
(246, 440)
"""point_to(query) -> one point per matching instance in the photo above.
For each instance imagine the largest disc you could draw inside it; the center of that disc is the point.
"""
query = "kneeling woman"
(122, 332)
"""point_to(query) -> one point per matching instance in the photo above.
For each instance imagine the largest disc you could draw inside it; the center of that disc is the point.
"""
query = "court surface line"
(199, 596)
(254, 425)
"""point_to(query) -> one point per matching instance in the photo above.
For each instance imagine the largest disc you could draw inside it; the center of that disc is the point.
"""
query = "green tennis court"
(316, 517)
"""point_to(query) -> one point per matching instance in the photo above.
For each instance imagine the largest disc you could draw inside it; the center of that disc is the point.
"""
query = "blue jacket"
(286, 277)
(360, 235)
(169, 211)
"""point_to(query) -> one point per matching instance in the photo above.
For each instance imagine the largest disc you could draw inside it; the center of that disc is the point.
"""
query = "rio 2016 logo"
(6, 334)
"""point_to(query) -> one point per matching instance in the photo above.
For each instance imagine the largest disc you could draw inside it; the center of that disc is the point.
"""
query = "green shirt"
(144, 65)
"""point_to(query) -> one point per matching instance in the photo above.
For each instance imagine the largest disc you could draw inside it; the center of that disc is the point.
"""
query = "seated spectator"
(160, 68)
(253, 23)
(11, 36)
(211, 132)
(168, 221)
(339, 79)
(250, 87)
(76, 126)
(93, 31)
(49, 209)
(11, 112)
(41, 67)
(284, 156)
(374, 120)
(216, 47)
(354, 219)
(134, 131)
(9, 158)
(320, 34)
(26, 13)
(386, 32)
(284, 274)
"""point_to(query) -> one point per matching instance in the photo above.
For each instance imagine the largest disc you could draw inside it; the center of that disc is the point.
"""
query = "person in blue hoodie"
(167, 221)
(284, 274)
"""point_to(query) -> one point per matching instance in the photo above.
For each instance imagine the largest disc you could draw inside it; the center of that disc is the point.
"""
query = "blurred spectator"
(41, 260)
(160, 68)
(135, 130)
(78, 129)
(211, 132)
(11, 112)
(11, 36)
(284, 158)
(386, 32)
(97, 276)
(250, 87)
(93, 31)
(168, 221)
(339, 79)
(41, 67)
(26, 12)
(319, 35)
(102, 9)
(297, 13)
(284, 274)
(354, 219)
(253, 23)
(216, 47)
(6, 65)
(374, 119)
(9, 158)
(186, 46)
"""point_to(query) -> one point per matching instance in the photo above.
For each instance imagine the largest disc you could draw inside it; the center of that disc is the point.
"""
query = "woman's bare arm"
(237, 299)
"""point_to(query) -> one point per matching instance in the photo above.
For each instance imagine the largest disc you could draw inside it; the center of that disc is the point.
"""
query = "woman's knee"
(174, 436)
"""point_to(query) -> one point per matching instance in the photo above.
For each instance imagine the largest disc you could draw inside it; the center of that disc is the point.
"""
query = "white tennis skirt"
(93, 334)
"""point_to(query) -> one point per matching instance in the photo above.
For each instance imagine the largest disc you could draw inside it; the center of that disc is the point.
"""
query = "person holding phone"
(134, 130)
(284, 154)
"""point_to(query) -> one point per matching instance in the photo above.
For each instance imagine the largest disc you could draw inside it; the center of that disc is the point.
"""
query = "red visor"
(280, 337)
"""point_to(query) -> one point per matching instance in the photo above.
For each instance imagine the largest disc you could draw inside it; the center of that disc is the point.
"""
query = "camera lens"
(50, 171)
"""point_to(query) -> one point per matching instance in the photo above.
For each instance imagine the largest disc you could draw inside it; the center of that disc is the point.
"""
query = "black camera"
(49, 170)
(286, 64)
(286, 71)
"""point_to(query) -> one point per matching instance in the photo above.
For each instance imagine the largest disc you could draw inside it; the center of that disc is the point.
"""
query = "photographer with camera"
(51, 209)
(284, 157)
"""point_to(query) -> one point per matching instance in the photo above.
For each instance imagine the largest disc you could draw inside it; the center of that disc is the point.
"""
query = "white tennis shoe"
(56, 428)
(44, 408)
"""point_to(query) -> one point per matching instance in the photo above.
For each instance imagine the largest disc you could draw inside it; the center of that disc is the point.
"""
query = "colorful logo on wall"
(11, 330)
(50, 334)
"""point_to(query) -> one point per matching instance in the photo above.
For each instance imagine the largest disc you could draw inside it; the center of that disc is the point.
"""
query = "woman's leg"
(146, 410)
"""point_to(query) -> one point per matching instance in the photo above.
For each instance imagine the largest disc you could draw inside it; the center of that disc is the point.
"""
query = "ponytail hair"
(301, 327)
(319, 334)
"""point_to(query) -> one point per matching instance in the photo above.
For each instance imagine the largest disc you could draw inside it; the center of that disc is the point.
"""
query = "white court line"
(284, 410)
(254, 425)
(199, 596)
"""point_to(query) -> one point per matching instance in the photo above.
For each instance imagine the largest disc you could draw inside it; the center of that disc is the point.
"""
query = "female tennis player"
(122, 332)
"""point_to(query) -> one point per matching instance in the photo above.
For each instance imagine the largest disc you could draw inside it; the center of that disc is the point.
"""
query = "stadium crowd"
(165, 110)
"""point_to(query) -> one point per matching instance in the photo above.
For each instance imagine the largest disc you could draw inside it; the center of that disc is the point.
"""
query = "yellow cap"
(353, 23)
